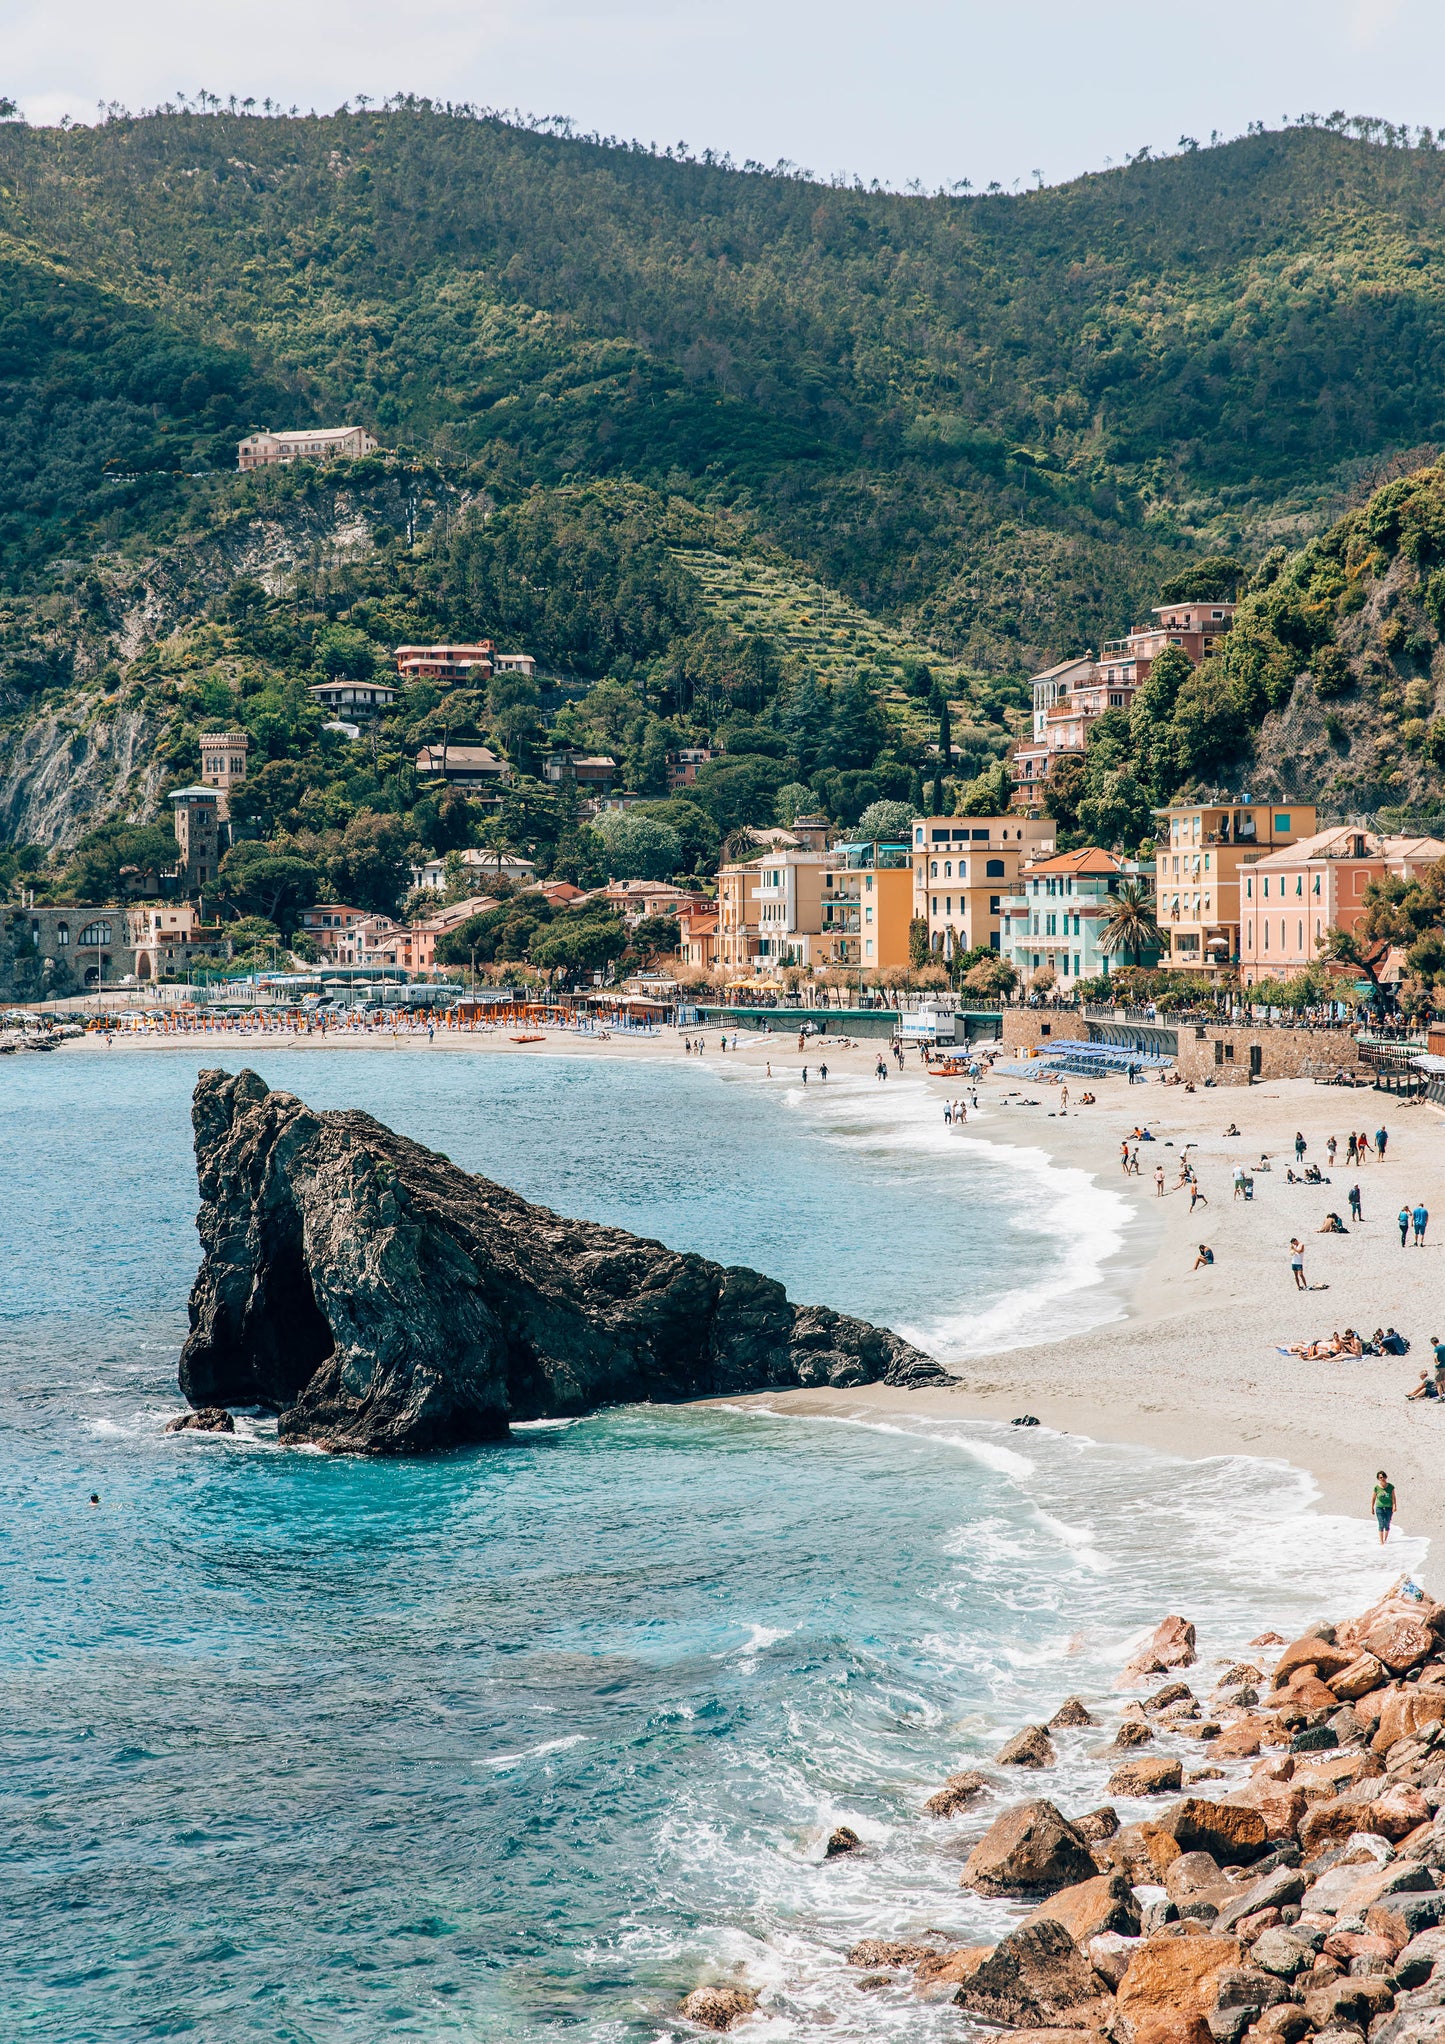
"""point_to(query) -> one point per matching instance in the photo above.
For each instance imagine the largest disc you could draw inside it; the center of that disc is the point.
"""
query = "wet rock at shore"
(956, 1794)
(1032, 1747)
(1171, 1646)
(1235, 1835)
(1072, 1711)
(208, 1419)
(871, 1952)
(844, 1840)
(385, 1302)
(1152, 1774)
(1132, 1732)
(1089, 1908)
(1097, 1825)
(1030, 1850)
(719, 2008)
(1037, 1978)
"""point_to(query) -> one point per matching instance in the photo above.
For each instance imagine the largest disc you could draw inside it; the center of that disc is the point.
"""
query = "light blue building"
(1056, 917)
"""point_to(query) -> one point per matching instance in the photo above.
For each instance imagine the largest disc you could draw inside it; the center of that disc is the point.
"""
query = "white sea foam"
(498, 1761)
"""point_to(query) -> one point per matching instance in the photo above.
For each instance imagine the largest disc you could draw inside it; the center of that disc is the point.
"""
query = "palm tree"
(1131, 926)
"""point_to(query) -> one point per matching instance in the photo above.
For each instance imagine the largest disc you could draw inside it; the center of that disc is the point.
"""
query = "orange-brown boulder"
(951, 1969)
(1032, 1747)
(1171, 2026)
(1090, 1908)
(1234, 1833)
(1171, 1646)
(1328, 1774)
(1316, 1654)
(1279, 1803)
(1406, 1711)
(1362, 1675)
(956, 1794)
(1399, 1643)
(1240, 1741)
(1036, 1978)
(1152, 1774)
(1174, 1977)
(1305, 1691)
(1030, 1850)
(1141, 1850)
(1072, 1711)
(1398, 1812)
(719, 2008)
(1285, 2023)
(874, 1952)
(1330, 1823)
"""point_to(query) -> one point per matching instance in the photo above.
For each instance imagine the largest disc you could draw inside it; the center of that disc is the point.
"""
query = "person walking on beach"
(1330, 1147)
(1300, 1146)
(1159, 1180)
(1403, 1217)
(1355, 1213)
(1297, 1263)
(805, 1075)
(1382, 1137)
(1064, 1098)
(1364, 1146)
(1420, 1217)
(823, 1073)
(1239, 1181)
(1196, 1197)
(1124, 1156)
(1352, 1150)
(1384, 1504)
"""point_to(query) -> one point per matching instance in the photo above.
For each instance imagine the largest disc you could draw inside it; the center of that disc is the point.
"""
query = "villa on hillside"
(310, 443)
(1070, 699)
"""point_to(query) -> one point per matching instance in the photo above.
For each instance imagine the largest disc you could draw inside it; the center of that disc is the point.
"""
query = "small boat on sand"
(529, 1039)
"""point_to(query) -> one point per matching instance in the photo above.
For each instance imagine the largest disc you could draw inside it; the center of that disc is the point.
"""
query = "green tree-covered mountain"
(984, 429)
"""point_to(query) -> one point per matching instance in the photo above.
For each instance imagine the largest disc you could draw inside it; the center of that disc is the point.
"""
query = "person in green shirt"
(1384, 1502)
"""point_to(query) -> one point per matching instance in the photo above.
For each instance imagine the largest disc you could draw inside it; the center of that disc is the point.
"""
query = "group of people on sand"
(1385, 1341)
(955, 1112)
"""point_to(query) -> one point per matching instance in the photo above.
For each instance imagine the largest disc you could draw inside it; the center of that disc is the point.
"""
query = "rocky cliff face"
(385, 1302)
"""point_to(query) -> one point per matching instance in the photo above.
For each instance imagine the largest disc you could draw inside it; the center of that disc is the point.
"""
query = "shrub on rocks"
(1031, 1849)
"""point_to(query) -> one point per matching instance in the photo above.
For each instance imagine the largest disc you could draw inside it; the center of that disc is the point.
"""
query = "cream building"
(314, 443)
(965, 867)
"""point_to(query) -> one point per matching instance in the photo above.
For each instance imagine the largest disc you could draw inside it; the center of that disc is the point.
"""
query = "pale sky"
(940, 91)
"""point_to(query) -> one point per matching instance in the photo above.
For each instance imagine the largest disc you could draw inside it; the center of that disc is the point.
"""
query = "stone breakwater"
(382, 1301)
(1288, 1886)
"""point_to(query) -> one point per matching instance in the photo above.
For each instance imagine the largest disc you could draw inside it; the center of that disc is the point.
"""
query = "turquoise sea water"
(523, 1743)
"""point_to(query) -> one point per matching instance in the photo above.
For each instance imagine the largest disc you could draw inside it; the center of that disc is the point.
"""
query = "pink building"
(1070, 698)
(1290, 898)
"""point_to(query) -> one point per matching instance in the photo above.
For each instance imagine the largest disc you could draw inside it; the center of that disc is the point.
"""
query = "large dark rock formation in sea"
(383, 1301)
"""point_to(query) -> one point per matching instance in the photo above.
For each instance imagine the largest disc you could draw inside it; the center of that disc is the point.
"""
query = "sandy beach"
(1193, 1367)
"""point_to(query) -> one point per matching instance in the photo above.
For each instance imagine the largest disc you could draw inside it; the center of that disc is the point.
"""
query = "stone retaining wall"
(1210, 1050)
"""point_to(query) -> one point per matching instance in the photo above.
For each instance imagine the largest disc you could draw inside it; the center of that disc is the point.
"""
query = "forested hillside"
(640, 410)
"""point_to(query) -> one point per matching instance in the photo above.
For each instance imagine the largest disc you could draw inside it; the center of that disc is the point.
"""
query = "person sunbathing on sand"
(1231, 1130)
(1332, 1225)
(1425, 1388)
(1314, 1351)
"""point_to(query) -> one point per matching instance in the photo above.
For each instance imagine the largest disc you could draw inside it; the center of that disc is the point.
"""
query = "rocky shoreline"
(1295, 1892)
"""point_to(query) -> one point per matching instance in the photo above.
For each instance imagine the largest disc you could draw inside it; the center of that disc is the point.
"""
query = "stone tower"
(223, 765)
(198, 835)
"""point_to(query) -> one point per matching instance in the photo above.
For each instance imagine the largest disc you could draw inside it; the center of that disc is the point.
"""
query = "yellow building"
(965, 867)
(1201, 849)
